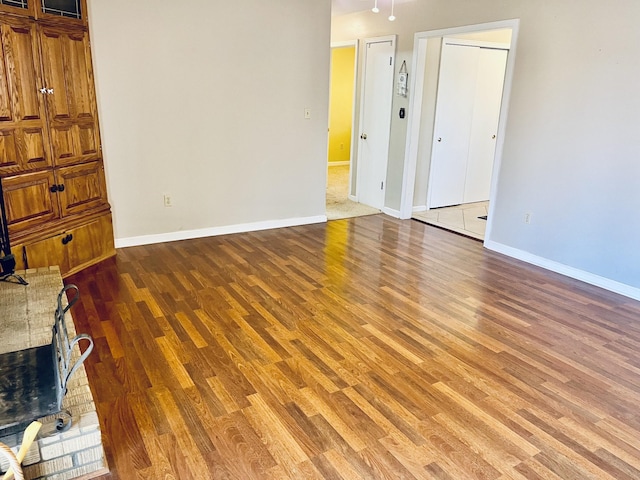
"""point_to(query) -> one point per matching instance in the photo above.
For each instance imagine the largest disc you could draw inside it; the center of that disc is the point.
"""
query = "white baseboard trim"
(339, 164)
(215, 231)
(391, 212)
(419, 208)
(590, 278)
(353, 198)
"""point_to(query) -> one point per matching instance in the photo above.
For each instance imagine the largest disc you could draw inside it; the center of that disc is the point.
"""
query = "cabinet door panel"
(79, 69)
(5, 103)
(73, 11)
(54, 74)
(88, 139)
(27, 95)
(22, 119)
(84, 188)
(71, 250)
(46, 253)
(28, 200)
(19, 7)
(34, 144)
(73, 110)
(22, 149)
(91, 242)
(9, 153)
(64, 145)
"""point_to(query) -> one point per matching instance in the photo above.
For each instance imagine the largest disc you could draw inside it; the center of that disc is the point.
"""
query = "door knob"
(363, 136)
(493, 137)
(439, 139)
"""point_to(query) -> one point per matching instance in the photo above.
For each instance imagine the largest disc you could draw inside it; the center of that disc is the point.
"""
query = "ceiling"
(343, 7)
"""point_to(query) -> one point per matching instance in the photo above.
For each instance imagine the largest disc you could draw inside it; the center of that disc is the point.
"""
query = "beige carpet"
(338, 204)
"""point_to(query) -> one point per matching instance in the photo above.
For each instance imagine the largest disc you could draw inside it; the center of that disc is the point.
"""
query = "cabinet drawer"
(73, 249)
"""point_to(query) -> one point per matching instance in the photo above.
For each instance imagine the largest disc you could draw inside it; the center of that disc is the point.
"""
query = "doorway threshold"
(462, 219)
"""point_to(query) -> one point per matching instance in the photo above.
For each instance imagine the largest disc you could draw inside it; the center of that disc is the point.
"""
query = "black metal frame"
(33, 382)
(7, 259)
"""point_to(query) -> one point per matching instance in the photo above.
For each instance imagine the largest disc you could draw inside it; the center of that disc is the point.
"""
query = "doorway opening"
(343, 176)
(458, 112)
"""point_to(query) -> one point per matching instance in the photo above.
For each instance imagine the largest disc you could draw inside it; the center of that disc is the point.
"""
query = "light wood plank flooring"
(362, 348)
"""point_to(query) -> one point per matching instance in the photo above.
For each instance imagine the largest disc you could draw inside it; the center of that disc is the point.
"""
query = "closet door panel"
(486, 115)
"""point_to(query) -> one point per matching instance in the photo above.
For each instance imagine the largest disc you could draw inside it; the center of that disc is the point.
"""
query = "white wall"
(572, 144)
(204, 100)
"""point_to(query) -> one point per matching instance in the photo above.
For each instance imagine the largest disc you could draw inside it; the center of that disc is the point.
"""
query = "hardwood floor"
(362, 348)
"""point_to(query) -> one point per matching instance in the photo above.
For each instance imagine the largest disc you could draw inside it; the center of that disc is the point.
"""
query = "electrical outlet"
(527, 218)
(167, 200)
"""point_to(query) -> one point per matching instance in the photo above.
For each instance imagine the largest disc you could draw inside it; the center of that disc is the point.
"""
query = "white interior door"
(375, 121)
(452, 132)
(467, 113)
(486, 114)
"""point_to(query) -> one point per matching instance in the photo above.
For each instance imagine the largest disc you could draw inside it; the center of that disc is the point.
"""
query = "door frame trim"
(415, 109)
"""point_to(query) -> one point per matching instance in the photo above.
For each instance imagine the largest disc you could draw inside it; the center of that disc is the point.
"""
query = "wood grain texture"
(363, 348)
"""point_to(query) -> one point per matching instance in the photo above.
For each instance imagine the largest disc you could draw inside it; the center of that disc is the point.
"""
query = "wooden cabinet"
(73, 249)
(50, 157)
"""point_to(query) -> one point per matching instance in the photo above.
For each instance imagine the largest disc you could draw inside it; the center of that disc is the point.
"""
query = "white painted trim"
(353, 198)
(415, 106)
(339, 164)
(391, 212)
(420, 208)
(476, 43)
(348, 43)
(590, 278)
(215, 231)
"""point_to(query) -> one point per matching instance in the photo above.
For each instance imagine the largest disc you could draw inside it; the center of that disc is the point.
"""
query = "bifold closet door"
(484, 130)
(467, 112)
(452, 133)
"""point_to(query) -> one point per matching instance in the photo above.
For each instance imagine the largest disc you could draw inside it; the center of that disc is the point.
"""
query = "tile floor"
(458, 218)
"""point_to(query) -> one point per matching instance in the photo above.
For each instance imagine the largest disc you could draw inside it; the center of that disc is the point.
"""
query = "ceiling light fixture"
(375, 8)
(392, 17)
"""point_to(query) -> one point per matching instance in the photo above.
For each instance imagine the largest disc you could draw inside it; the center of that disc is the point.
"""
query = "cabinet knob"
(61, 187)
(50, 91)
(67, 239)
(43, 90)
(53, 188)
